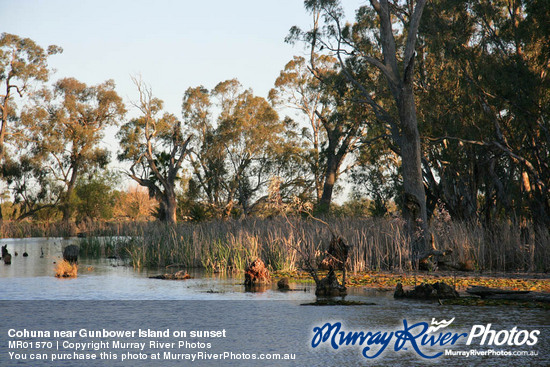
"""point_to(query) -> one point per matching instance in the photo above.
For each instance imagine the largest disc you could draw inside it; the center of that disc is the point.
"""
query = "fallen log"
(180, 275)
(506, 294)
(438, 290)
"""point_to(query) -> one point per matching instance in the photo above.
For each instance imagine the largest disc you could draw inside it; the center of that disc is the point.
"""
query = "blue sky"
(172, 44)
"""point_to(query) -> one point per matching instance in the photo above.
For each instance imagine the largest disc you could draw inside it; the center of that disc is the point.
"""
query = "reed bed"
(377, 244)
(27, 229)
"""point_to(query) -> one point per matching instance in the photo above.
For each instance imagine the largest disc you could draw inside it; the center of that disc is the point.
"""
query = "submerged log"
(505, 294)
(438, 290)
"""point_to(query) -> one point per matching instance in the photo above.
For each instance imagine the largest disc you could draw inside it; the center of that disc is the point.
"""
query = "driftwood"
(505, 294)
(336, 255)
(434, 259)
(180, 275)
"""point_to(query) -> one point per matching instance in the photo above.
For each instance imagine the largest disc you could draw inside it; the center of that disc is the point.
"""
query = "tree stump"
(283, 284)
(330, 287)
(256, 274)
(6, 255)
(70, 254)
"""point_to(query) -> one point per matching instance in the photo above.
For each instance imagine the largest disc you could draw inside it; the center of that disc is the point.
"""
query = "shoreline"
(386, 281)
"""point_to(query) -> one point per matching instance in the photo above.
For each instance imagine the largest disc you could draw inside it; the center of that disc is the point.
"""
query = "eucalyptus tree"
(375, 41)
(297, 88)
(335, 123)
(485, 80)
(63, 131)
(155, 147)
(237, 138)
(22, 62)
(207, 154)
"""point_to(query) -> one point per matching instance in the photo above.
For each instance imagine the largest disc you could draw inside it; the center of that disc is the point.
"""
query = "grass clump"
(65, 269)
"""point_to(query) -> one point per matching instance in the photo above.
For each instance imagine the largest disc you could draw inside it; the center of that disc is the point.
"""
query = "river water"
(108, 294)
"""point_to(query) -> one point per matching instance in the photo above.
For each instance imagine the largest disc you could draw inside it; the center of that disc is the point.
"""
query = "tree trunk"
(171, 210)
(3, 127)
(168, 207)
(331, 174)
(4, 121)
(414, 196)
(66, 205)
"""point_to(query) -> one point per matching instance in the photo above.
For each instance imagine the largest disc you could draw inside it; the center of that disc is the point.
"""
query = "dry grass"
(377, 244)
(64, 269)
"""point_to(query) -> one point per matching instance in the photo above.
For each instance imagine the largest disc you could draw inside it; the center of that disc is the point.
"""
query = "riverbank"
(387, 281)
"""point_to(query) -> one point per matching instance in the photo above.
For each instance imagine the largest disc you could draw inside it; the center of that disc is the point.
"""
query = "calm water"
(265, 321)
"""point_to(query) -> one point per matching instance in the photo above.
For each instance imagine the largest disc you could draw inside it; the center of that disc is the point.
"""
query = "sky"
(172, 44)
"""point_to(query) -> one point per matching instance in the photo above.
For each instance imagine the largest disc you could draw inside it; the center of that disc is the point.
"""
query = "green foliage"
(60, 133)
(22, 62)
(484, 98)
(238, 144)
(95, 197)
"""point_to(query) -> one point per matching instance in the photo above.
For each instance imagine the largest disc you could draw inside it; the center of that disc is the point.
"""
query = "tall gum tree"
(63, 131)
(374, 41)
(238, 140)
(297, 88)
(22, 62)
(335, 124)
(156, 148)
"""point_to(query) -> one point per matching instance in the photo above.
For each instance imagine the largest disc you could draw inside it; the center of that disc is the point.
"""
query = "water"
(109, 294)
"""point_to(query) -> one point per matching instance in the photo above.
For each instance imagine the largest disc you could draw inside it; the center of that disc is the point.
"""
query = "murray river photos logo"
(422, 338)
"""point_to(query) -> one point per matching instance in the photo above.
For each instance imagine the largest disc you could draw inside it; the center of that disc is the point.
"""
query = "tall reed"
(376, 244)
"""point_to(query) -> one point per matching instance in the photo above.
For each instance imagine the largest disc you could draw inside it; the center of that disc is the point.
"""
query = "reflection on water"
(32, 277)
(287, 323)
